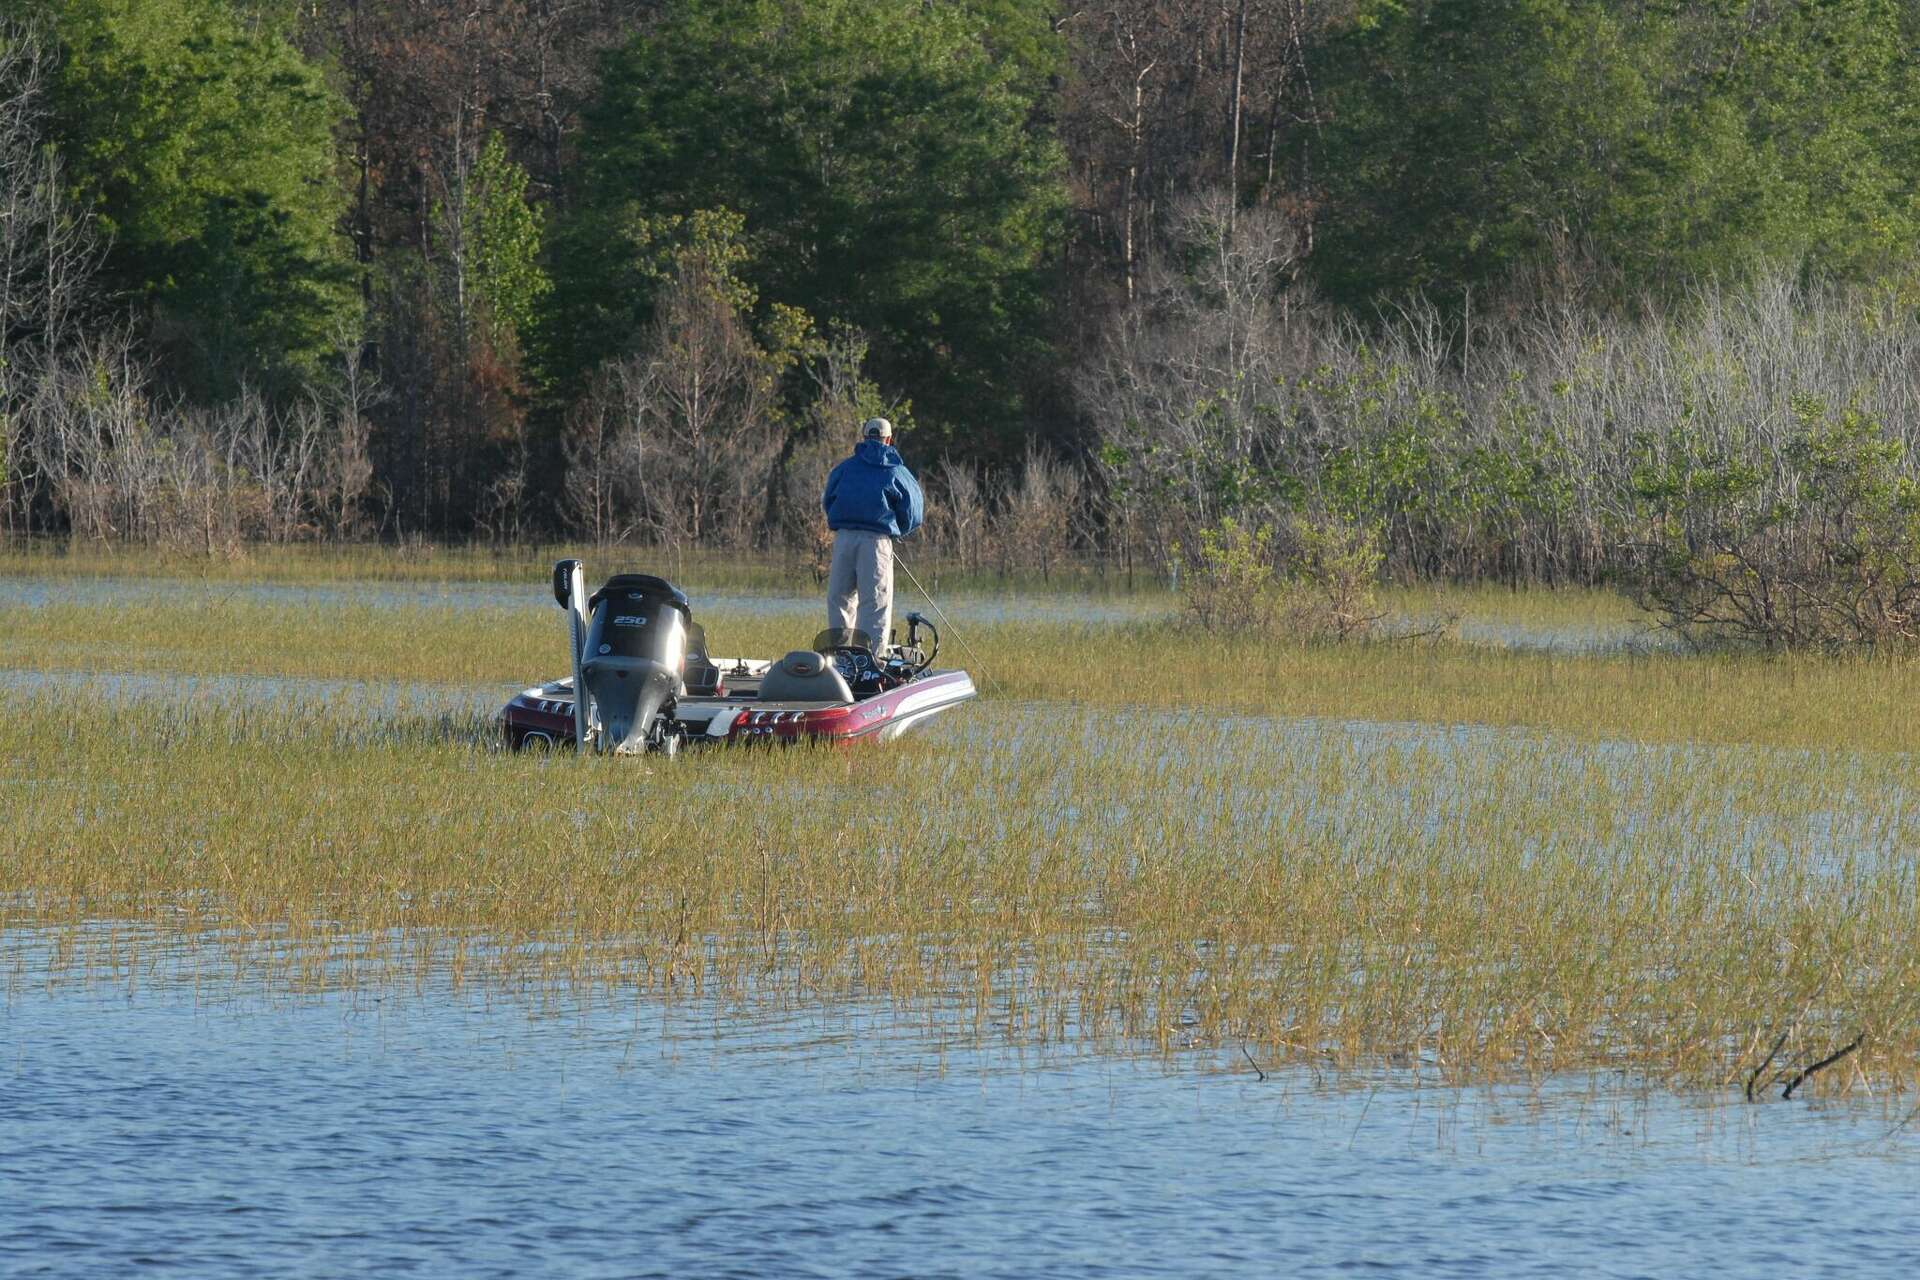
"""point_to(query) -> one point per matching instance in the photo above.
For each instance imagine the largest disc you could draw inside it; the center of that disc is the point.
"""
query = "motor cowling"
(633, 661)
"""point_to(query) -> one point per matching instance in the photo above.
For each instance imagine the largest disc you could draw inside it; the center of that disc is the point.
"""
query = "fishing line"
(941, 614)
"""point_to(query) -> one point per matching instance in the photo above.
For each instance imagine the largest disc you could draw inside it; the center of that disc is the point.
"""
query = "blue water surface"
(439, 1133)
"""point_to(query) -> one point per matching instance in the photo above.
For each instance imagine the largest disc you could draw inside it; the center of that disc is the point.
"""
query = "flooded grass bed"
(1061, 648)
(428, 565)
(1467, 903)
(1173, 954)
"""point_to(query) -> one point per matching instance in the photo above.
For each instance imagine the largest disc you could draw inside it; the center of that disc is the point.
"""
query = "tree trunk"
(1233, 113)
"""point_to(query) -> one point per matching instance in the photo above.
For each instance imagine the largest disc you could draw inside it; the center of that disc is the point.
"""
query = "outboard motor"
(631, 663)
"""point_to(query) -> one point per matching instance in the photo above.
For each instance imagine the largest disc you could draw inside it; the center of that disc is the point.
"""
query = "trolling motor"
(909, 660)
(629, 643)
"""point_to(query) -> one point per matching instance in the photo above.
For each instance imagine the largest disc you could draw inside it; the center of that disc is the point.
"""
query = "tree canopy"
(1666, 141)
(466, 220)
(885, 167)
(203, 142)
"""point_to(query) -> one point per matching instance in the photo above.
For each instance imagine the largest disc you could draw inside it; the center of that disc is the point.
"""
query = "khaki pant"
(862, 569)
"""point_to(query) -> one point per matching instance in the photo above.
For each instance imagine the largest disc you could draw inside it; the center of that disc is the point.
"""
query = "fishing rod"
(941, 614)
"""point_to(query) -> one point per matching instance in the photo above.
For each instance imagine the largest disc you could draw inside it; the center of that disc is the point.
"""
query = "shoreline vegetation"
(1364, 284)
(1466, 861)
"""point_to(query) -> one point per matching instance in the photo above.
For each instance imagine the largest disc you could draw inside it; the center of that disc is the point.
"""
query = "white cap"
(877, 429)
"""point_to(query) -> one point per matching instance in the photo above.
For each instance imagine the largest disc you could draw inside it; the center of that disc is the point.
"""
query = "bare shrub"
(275, 456)
(842, 400)
(48, 253)
(1183, 390)
(705, 399)
(502, 512)
(91, 431)
(85, 435)
(1504, 448)
(119, 465)
(803, 521)
(347, 464)
(958, 514)
(602, 456)
(677, 442)
(48, 249)
(1040, 512)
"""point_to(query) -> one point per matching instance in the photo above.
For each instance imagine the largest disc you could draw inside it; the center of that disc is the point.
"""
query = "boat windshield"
(836, 638)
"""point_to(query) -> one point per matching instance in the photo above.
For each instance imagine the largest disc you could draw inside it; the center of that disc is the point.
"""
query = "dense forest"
(1523, 287)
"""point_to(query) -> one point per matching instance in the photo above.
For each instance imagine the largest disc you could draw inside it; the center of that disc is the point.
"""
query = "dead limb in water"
(1822, 1065)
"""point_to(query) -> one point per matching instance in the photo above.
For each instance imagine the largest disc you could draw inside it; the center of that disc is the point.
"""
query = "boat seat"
(804, 676)
(701, 677)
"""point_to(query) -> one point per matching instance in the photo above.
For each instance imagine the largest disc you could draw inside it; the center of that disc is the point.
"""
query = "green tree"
(1828, 94)
(1021, 35)
(1467, 136)
(1666, 141)
(886, 167)
(203, 142)
(502, 235)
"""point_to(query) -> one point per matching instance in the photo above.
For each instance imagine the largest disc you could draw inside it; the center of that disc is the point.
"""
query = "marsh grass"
(1466, 903)
(771, 573)
(1859, 703)
(1447, 859)
(1571, 607)
(753, 573)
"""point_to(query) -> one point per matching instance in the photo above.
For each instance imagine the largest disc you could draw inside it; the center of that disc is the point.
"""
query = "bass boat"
(643, 680)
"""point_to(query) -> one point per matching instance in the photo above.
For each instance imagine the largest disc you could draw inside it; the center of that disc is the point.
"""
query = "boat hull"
(542, 716)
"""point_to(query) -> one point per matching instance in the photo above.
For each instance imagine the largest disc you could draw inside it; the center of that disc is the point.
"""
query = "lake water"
(214, 1133)
(36, 592)
(39, 592)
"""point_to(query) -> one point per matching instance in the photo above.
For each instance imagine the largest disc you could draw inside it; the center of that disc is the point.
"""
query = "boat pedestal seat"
(804, 676)
(703, 679)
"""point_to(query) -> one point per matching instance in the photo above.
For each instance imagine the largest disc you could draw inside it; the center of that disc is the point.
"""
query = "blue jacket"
(874, 491)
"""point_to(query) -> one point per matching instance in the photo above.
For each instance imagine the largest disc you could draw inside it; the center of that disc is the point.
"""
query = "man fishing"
(871, 499)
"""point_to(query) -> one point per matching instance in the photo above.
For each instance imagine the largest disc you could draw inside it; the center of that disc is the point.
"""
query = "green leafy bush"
(1231, 583)
(1330, 592)
(1313, 578)
(1820, 551)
